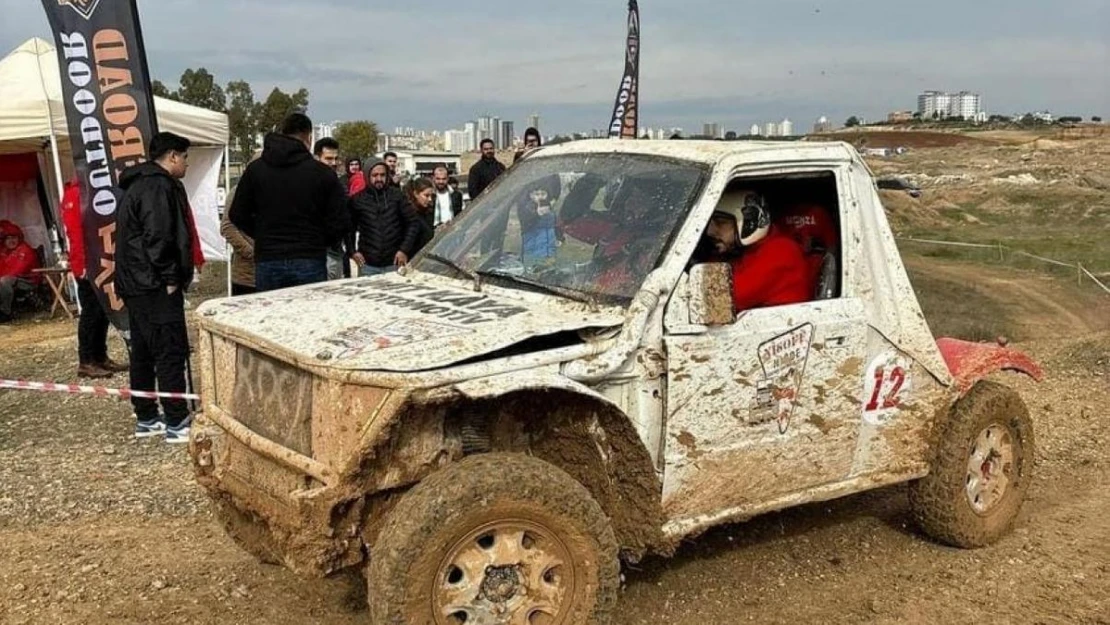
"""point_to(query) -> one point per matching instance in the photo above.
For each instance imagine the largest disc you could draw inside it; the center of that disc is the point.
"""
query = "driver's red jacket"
(773, 272)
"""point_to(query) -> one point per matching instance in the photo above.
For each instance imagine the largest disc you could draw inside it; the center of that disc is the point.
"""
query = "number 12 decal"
(887, 385)
(892, 385)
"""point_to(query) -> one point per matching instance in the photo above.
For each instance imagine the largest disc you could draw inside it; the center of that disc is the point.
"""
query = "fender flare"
(970, 362)
(630, 491)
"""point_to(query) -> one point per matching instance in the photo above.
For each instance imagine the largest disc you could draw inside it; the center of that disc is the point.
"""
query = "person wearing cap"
(92, 328)
(768, 266)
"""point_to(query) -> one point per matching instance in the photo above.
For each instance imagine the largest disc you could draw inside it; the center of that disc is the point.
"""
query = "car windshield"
(585, 226)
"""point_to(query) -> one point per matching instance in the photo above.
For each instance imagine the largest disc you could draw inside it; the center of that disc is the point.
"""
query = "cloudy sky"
(438, 63)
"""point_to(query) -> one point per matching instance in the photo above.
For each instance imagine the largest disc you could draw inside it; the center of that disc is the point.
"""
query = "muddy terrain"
(98, 528)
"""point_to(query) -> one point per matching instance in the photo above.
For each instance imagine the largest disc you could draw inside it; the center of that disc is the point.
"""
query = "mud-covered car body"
(323, 404)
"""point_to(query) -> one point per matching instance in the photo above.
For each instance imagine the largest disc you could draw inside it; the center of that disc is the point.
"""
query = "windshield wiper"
(470, 273)
(572, 294)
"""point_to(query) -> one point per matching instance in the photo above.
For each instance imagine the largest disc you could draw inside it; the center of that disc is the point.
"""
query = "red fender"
(971, 362)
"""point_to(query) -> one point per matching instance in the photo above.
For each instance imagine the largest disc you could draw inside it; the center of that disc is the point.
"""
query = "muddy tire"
(249, 533)
(494, 538)
(981, 471)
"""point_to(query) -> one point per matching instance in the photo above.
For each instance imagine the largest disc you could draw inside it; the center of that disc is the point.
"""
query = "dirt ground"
(98, 528)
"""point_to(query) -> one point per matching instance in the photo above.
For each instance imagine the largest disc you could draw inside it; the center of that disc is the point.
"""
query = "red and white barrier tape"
(99, 391)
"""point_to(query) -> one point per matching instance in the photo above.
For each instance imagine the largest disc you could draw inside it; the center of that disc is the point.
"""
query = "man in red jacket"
(92, 329)
(768, 266)
(17, 261)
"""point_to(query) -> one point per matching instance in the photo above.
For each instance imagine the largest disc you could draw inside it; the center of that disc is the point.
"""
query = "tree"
(357, 139)
(199, 88)
(241, 110)
(852, 122)
(162, 91)
(278, 106)
(1096, 119)
(730, 136)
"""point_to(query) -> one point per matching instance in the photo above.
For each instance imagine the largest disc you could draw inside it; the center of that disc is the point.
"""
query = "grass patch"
(961, 311)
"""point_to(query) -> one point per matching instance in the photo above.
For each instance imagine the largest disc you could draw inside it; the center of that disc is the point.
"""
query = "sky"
(436, 64)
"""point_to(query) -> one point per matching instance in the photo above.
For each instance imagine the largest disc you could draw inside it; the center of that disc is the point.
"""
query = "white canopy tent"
(32, 120)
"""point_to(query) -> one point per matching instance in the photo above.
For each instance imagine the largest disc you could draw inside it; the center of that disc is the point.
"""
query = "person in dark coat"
(485, 171)
(384, 227)
(482, 175)
(154, 268)
(420, 198)
(291, 206)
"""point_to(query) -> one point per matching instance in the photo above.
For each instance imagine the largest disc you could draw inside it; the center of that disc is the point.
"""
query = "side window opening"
(802, 208)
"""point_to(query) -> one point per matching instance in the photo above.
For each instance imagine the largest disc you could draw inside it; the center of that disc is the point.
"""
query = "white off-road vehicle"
(557, 383)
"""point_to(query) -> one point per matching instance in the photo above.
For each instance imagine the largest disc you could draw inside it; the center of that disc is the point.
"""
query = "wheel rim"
(510, 572)
(991, 468)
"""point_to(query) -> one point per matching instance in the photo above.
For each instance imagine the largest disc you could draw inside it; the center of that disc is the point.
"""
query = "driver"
(768, 267)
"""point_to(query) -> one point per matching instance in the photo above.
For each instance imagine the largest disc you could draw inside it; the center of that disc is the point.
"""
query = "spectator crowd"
(299, 215)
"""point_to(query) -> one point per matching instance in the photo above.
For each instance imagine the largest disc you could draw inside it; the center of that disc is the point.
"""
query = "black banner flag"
(110, 113)
(626, 111)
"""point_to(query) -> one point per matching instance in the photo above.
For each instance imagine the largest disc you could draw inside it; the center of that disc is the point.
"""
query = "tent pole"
(227, 200)
(57, 162)
(53, 149)
(227, 175)
(50, 124)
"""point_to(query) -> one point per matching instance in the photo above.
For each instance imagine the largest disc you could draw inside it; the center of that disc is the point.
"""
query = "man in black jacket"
(292, 207)
(386, 228)
(485, 171)
(482, 175)
(154, 267)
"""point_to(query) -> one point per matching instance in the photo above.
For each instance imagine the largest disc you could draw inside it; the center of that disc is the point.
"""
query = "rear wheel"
(494, 539)
(981, 471)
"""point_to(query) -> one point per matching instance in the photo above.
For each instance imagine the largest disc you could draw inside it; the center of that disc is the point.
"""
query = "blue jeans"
(368, 270)
(270, 275)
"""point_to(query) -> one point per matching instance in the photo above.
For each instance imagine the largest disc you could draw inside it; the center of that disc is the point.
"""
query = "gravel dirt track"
(98, 528)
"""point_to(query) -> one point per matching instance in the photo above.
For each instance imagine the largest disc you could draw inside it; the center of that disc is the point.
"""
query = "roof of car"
(710, 152)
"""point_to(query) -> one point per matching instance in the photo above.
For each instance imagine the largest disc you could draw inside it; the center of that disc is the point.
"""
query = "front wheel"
(981, 471)
(495, 539)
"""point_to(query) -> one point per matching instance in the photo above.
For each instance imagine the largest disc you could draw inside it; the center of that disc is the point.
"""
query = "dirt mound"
(903, 138)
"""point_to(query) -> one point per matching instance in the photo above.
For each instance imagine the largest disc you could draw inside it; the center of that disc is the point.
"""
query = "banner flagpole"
(626, 110)
(109, 109)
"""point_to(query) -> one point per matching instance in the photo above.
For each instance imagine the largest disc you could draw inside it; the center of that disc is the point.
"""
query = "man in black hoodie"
(154, 267)
(387, 229)
(290, 204)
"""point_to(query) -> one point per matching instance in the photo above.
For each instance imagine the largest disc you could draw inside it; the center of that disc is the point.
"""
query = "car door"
(762, 408)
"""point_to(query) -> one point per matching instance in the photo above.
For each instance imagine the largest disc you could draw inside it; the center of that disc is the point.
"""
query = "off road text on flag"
(110, 113)
(626, 112)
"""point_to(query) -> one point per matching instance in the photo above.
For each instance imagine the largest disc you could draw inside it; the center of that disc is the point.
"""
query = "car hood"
(396, 323)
